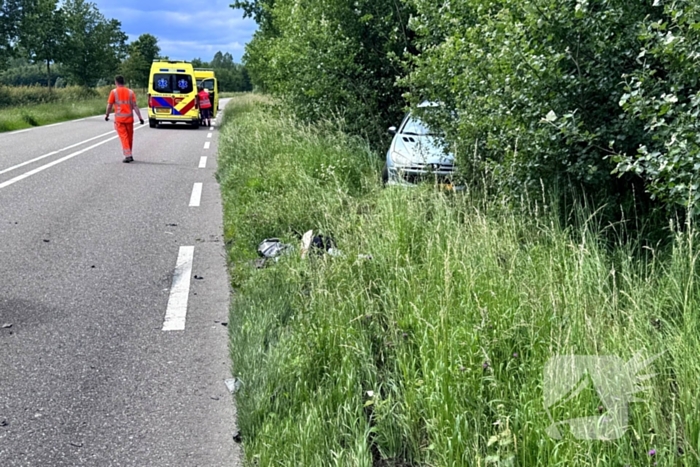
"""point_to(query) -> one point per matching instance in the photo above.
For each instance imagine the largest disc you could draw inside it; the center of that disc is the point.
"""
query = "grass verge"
(433, 352)
(227, 95)
(30, 107)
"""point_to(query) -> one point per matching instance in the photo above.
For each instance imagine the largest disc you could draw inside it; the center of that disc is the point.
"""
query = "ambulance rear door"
(211, 85)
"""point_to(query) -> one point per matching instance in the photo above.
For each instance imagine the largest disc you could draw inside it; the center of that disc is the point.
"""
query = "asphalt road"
(93, 256)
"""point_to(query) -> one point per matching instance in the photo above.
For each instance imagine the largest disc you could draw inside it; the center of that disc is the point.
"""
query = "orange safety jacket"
(204, 102)
(124, 101)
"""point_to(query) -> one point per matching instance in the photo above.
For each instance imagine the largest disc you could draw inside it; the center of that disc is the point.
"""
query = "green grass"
(449, 326)
(34, 106)
(225, 95)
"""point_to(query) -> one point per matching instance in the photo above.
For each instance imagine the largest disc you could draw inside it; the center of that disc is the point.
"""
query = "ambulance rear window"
(170, 83)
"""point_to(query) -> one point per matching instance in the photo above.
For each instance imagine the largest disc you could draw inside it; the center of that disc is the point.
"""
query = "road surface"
(114, 300)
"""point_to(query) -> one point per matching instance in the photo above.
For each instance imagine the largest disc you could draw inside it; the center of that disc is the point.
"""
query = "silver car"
(416, 154)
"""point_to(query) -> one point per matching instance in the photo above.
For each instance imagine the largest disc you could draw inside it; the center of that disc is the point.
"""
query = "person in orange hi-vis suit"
(123, 101)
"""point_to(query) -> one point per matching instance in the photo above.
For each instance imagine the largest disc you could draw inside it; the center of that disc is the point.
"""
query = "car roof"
(428, 104)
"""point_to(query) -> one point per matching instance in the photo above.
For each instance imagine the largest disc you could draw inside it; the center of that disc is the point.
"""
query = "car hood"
(421, 149)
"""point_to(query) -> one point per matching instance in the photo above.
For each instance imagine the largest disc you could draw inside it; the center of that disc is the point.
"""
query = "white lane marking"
(53, 153)
(196, 197)
(211, 128)
(209, 135)
(207, 145)
(20, 131)
(56, 162)
(176, 313)
(53, 124)
(203, 162)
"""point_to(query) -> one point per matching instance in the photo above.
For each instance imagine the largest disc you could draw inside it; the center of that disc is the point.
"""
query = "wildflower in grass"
(652, 453)
(515, 354)
(485, 365)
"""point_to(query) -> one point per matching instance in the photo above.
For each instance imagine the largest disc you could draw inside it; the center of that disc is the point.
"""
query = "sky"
(186, 29)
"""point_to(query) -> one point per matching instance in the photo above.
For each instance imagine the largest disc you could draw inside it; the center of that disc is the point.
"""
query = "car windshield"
(415, 126)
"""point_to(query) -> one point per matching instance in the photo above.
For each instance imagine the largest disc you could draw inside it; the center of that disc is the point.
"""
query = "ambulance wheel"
(195, 125)
(152, 122)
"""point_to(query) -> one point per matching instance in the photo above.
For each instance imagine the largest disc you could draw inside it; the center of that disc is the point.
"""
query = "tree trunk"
(48, 73)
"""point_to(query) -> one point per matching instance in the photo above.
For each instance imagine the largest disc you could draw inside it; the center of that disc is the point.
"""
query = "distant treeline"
(599, 97)
(69, 42)
(232, 77)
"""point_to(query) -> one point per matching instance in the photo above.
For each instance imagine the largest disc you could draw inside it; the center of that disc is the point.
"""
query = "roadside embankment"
(25, 107)
(425, 340)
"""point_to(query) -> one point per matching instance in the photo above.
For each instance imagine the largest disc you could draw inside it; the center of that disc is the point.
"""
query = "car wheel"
(152, 122)
(385, 175)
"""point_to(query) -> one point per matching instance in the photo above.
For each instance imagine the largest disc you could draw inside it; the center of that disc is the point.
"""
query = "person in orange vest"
(123, 101)
(204, 105)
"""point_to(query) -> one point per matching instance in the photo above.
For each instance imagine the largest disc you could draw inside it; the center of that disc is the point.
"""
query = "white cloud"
(183, 32)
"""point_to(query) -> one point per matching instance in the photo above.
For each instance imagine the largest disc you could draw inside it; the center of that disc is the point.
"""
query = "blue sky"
(185, 29)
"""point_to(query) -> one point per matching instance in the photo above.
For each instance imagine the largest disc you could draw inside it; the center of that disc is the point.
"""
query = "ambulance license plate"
(162, 110)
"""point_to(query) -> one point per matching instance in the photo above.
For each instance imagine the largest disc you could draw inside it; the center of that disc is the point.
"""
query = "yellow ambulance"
(207, 79)
(172, 94)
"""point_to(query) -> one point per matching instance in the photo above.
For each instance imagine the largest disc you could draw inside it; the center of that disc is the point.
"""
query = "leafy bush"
(536, 87)
(663, 93)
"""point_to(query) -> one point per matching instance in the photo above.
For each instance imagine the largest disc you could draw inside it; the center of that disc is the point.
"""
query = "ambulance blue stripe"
(164, 103)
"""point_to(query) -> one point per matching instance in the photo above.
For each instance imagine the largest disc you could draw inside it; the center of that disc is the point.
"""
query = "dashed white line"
(176, 312)
(209, 135)
(53, 124)
(16, 132)
(207, 145)
(203, 162)
(196, 197)
(211, 128)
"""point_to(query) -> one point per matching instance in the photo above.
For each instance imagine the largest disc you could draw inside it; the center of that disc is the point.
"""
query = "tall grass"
(24, 107)
(432, 352)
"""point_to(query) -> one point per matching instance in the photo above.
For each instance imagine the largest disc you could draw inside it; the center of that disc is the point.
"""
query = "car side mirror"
(392, 130)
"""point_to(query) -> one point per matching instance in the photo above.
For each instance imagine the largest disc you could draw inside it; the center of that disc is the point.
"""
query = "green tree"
(222, 61)
(95, 46)
(10, 19)
(43, 35)
(339, 57)
(260, 11)
(142, 52)
(199, 63)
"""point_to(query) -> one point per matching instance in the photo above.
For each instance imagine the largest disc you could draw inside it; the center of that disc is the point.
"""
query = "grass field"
(433, 352)
(34, 106)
